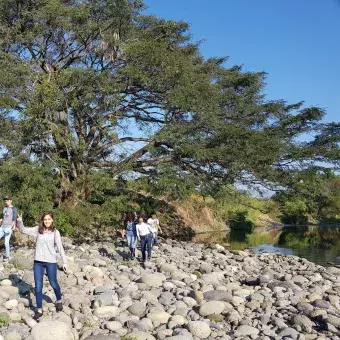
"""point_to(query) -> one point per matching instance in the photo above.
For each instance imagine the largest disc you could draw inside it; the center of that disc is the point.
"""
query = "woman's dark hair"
(142, 216)
(41, 228)
(130, 217)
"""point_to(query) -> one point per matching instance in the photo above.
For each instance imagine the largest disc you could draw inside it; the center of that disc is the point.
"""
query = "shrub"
(4, 319)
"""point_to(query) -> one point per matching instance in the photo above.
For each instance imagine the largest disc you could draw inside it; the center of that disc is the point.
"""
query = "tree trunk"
(74, 187)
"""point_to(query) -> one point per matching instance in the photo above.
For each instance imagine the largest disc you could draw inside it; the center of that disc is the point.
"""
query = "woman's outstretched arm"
(28, 231)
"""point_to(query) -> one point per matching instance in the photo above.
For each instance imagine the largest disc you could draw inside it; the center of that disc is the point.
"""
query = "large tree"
(90, 85)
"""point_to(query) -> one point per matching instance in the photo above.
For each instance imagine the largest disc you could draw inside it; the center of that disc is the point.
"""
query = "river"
(320, 245)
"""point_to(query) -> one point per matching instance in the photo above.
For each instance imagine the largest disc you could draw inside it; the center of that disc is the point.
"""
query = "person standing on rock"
(8, 222)
(153, 221)
(131, 235)
(145, 236)
(45, 258)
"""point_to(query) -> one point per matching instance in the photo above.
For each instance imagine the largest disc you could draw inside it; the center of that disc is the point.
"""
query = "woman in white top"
(154, 222)
(45, 257)
(145, 236)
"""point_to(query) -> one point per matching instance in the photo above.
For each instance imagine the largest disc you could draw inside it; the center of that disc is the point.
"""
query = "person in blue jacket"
(131, 235)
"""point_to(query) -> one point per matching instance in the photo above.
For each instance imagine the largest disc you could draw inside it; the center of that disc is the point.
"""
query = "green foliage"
(4, 319)
(33, 187)
(295, 211)
(84, 80)
(242, 211)
(170, 185)
(105, 110)
(314, 196)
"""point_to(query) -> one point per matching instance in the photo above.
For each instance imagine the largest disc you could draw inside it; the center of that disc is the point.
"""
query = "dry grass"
(198, 216)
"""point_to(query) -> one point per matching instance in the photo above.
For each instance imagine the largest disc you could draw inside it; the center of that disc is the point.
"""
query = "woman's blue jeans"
(146, 241)
(39, 271)
(131, 240)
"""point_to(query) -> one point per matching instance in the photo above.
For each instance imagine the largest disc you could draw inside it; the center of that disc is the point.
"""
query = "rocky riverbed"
(187, 291)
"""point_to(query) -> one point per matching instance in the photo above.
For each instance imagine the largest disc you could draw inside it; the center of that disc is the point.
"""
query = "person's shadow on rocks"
(26, 290)
(103, 252)
(118, 255)
(123, 254)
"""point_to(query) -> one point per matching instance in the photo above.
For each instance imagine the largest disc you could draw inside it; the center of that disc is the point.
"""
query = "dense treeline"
(101, 105)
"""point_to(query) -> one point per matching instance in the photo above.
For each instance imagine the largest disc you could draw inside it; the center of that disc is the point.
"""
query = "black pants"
(146, 241)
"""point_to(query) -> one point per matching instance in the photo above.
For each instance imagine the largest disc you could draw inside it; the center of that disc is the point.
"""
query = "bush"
(4, 319)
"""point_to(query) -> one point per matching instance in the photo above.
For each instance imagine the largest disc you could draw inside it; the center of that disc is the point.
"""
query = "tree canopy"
(90, 86)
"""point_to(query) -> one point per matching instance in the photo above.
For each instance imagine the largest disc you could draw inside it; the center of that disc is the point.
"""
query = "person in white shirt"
(153, 221)
(145, 236)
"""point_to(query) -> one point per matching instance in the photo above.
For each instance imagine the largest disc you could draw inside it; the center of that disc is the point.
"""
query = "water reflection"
(317, 244)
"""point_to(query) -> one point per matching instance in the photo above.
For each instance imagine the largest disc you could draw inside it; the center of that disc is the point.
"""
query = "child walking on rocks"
(45, 257)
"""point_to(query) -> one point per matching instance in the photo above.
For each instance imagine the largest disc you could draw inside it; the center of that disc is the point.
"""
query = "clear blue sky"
(297, 42)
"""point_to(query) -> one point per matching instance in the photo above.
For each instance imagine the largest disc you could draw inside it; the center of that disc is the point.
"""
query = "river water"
(320, 245)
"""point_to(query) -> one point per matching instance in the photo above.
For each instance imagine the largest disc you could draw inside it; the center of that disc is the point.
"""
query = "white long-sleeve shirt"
(154, 222)
(143, 229)
(45, 244)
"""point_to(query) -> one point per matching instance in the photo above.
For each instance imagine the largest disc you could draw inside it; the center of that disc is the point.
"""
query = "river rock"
(113, 325)
(333, 270)
(159, 316)
(246, 330)
(47, 330)
(106, 312)
(109, 298)
(168, 268)
(206, 268)
(92, 271)
(11, 304)
(153, 280)
(211, 307)
(137, 308)
(6, 282)
(199, 329)
(217, 295)
(322, 304)
(289, 332)
(334, 320)
(10, 290)
(140, 336)
(304, 322)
